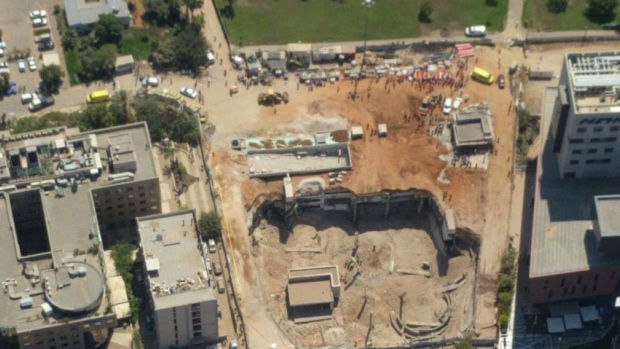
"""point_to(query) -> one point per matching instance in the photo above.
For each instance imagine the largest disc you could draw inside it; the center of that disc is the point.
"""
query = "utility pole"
(368, 4)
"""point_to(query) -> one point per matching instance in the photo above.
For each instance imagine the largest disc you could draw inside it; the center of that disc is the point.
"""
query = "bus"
(98, 97)
(483, 76)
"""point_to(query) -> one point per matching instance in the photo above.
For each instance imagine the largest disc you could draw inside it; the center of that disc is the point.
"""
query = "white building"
(586, 117)
(183, 303)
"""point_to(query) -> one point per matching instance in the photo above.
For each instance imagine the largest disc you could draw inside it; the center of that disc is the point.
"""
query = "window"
(609, 150)
(574, 162)
(614, 128)
(603, 140)
(562, 282)
(550, 293)
(576, 141)
(572, 291)
(581, 130)
(579, 280)
(197, 328)
(564, 292)
(598, 129)
(197, 334)
(584, 289)
(576, 151)
(592, 151)
(598, 161)
(196, 321)
(594, 287)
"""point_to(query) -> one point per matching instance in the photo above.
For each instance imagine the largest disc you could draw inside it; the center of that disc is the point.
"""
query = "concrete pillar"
(421, 205)
(354, 208)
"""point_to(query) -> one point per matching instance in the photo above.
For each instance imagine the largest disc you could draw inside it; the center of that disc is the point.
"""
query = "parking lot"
(18, 33)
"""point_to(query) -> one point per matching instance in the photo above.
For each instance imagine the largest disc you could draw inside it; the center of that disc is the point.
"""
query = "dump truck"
(40, 103)
(272, 97)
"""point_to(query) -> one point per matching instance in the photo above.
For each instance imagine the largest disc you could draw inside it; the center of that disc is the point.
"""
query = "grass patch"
(529, 129)
(72, 59)
(41, 31)
(538, 18)
(505, 291)
(139, 42)
(286, 21)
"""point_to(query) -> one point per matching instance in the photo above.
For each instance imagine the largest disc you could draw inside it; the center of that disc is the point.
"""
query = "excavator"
(272, 98)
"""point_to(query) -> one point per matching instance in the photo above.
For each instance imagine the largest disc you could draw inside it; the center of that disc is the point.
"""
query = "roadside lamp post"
(368, 4)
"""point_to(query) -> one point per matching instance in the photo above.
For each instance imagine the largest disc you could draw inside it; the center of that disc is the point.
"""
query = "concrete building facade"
(586, 116)
(183, 300)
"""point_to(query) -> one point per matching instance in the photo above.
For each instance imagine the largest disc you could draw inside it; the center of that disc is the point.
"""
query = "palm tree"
(191, 5)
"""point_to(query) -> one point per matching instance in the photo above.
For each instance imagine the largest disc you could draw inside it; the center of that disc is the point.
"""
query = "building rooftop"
(170, 244)
(607, 213)
(594, 78)
(310, 292)
(562, 234)
(472, 129)
(65, 152)
(77, 285)
(82, 12)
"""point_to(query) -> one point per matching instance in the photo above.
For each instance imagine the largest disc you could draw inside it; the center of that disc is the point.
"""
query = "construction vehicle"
(272, 97)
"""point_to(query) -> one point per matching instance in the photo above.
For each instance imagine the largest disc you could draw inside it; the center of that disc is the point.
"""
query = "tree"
(163, 12)
(557, 6)
(492, 3)
(149, 109)
(51, 78)
(106, 58)
(70, 40)
(464, 343)
(426, 10)
(98, 64)
(119, 108)
(108, 30)
(95, 116)
(3, 123)
(190, 48)
(210, 225)
(5, 84)
(184, 128)
(192, 5)
(601, 11)
(88, 62)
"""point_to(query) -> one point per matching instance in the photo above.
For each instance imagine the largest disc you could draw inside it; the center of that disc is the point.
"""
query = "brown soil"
(137, 14)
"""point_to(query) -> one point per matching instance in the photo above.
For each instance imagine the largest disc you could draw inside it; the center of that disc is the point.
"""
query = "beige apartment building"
(182, 292)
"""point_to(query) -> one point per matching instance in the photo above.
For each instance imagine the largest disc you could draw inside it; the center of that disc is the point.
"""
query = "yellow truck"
(98, 97)
(482, 76)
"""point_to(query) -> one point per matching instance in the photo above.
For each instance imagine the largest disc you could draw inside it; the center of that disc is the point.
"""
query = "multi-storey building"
(575, 233)
(586, 122)
(56, 186)
(182, 295)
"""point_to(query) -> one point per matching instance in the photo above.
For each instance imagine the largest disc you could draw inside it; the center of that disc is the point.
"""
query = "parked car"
(457, 103)
(1, 52)
(221, 285)
(476, 30)
(233, 344)
(501, 81)
(447, 105)
(39, 22)
(32, 65)
(38, 14)
(217, 268)
(45, 45)
(21, 65)
(4, 65)
(188, 92)
(152, 81)
(212, 246)
(28, 97)
(2, 44)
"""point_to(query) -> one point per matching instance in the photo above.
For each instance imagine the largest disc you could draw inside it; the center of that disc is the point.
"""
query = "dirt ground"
(403, 240)
(407, 158)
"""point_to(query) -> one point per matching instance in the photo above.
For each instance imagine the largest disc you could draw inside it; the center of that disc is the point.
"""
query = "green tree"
(148, 109)
(5, 84)
(165, 55)
(557, 6)
(3, 124)
(163, 12)
(191, 5)
(184, 128)
(210, 225)
(492, 3)
(601, 11)
(119, 108)
(51, 78)
(88, 62)
(426, 10)
(70, 40)
(190, 48)
(95, 116)
(106, 59)
(108, 30)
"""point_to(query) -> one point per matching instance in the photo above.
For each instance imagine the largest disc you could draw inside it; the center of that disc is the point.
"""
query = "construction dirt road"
(407, 158)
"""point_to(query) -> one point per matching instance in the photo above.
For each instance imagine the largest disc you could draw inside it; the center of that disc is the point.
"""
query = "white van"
(28, 97)
(476, 30)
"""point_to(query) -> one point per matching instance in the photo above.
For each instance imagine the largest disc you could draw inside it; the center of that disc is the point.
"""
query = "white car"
(39, 22)
(476, 30)
(1, 52)
(4, 65)
(188, 92)
(152, 81)
(38, 14)
(21, 65)
(457, 103)
(31, 64)
(447, 106)
(2, 44)
(28, 97)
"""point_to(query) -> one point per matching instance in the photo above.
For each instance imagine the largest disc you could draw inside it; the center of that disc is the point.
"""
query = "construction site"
(406, 201)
